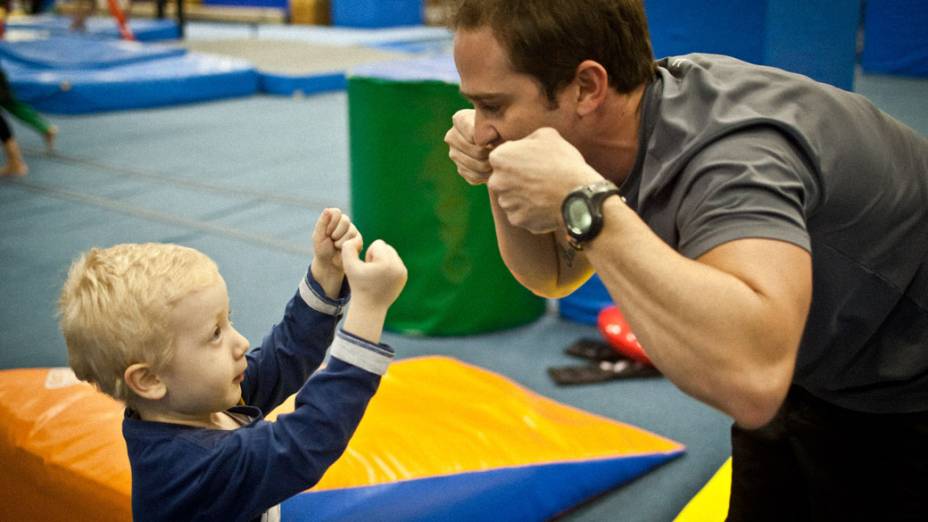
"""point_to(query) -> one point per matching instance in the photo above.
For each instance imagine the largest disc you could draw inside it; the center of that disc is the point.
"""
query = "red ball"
(615, 330)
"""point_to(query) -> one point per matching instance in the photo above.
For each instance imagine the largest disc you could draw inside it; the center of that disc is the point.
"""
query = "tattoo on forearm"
(568, 253)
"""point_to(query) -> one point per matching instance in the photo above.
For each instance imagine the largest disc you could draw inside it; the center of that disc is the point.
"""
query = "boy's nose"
(241, 345)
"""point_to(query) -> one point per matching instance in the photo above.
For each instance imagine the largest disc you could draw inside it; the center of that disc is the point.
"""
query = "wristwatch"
(583, 211)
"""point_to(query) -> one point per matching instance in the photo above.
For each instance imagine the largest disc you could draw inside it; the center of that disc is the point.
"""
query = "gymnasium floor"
(244, 180)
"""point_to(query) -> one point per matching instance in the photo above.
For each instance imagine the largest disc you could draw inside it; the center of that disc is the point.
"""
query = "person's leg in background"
(83, 9)
(15, 165)
(26, 113)
(30, 117)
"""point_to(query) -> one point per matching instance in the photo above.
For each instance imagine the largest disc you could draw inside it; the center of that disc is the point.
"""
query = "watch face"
(578, 216)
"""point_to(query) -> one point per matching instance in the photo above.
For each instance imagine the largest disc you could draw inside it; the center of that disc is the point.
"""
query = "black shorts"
(816, 461)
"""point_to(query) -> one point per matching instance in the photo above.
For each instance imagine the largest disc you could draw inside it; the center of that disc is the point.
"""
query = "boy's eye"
(217, 333)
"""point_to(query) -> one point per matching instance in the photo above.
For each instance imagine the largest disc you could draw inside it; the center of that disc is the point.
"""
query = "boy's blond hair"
(114, 305)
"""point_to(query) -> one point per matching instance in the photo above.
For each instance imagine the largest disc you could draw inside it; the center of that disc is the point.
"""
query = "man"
(768, 242)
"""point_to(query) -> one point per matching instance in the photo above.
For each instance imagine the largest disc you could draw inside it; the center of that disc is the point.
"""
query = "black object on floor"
(605, 364)
(592, 350)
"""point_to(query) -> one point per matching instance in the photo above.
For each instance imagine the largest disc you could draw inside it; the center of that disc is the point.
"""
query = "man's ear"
(592, 81)
(144, 382)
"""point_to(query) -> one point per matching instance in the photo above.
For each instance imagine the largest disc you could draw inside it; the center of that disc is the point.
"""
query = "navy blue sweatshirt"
(187, 473)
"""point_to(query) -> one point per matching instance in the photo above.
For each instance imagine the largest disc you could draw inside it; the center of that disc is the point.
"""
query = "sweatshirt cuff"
(351, 349)
(314, 296)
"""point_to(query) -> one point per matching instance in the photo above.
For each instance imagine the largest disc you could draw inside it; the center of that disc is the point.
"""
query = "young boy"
(149, 325)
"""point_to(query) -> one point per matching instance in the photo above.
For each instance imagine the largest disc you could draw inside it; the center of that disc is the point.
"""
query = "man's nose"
(485, 134)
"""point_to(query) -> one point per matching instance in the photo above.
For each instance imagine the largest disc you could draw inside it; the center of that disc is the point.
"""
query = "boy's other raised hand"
(332, 230)
(376, 282)
(379, 278)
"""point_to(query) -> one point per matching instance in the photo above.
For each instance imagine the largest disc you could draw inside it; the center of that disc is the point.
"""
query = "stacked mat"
(313, 59)
(61, 71)
(96, 27)
(75, 75)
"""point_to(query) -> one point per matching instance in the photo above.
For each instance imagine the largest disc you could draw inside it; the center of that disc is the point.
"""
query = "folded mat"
(441, 440)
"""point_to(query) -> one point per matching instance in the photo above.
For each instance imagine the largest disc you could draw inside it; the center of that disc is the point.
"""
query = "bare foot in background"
(50, 136)
(16, 170)
(15, 164)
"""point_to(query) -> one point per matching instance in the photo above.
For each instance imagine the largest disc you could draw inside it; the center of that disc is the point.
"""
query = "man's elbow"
(761, 400)
(546, 287)
(552, 292)
(754, 416)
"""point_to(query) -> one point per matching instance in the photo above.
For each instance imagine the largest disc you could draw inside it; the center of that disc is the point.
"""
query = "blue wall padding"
(896, 37)
(585, 303)
(65, 52)
(376, 13)
(286, 84)
(168, 81)
(145, 30)
(735, 28)
(817, 38)
(487, 495)
(812, 37)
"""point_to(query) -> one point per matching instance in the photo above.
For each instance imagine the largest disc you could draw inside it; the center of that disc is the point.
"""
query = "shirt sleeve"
(753, 184)
(295, 347)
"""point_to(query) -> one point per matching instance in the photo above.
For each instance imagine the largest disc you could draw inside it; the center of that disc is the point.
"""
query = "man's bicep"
(779, 273)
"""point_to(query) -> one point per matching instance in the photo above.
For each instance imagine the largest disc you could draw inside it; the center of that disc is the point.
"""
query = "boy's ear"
(593, 83)
(144, 382)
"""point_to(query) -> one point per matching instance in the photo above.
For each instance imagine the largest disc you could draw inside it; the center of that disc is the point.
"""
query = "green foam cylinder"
(406, 191)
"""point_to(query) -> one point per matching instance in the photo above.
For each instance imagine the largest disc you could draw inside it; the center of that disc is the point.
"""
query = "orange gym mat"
(440, 440)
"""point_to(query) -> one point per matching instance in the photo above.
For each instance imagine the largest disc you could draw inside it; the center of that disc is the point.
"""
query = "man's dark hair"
(548, 39)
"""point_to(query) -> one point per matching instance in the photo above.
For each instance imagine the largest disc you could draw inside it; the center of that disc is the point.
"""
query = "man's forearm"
(537, 260)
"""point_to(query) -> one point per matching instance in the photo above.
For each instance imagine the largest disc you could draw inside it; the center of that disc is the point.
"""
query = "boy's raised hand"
(332, 230)
(376, 282)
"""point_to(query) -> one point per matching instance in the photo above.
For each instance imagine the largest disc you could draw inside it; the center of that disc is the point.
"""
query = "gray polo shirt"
(731, 150)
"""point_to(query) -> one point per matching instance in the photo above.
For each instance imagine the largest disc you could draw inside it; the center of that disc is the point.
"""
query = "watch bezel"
(593, 196)
(569, 202)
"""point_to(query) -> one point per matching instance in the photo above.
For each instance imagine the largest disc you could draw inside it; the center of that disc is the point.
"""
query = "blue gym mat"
(288, 84)
(83, 53)
(61, 71)
(171, 80)
(145, 30)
